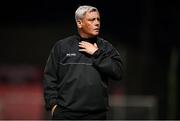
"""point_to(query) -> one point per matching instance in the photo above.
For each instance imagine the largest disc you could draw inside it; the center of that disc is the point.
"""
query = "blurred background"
(146, 33)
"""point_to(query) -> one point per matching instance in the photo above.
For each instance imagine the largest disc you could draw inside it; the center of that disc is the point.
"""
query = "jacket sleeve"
(50, 79)
(108, 62)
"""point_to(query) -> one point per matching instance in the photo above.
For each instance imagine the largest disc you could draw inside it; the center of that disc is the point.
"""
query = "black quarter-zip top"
(78, 81)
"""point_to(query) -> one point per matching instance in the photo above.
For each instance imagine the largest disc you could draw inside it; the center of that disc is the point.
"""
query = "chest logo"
(70, 54)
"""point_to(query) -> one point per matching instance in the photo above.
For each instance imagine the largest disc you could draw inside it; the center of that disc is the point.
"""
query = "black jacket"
(77, 81)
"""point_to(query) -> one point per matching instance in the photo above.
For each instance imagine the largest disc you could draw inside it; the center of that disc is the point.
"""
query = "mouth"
(97, 29)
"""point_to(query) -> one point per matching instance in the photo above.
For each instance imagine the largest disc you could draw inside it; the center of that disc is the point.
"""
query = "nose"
(97, 22)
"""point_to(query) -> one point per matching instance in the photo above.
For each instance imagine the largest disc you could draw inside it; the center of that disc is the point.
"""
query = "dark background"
(146, 33)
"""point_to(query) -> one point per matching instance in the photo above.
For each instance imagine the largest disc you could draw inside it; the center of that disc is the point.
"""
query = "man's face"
(90, 24)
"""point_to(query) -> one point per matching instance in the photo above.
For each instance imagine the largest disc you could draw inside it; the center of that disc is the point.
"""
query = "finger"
(95, 44)
(82, 46)
(84, 42)
(82, 50)
(80, 43)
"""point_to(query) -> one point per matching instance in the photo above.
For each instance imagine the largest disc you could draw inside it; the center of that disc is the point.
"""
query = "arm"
(50, 79)
(108, 62)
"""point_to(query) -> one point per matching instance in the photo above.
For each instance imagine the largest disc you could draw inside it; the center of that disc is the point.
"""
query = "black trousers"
(60, 114)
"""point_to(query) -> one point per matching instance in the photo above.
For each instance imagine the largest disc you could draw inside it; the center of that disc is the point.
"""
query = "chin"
(96, 33)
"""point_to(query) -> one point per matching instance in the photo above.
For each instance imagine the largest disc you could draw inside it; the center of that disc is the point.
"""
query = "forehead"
(91, 14)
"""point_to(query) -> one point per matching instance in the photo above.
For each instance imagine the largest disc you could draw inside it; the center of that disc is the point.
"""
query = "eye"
(91, 19)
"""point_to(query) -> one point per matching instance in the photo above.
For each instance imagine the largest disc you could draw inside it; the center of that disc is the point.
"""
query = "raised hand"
(88, 47)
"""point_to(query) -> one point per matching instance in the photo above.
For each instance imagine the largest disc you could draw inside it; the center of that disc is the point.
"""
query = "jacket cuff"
(53, 102)
(96, 53)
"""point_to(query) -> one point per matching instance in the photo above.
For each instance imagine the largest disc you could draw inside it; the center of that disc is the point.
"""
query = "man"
(77, 71)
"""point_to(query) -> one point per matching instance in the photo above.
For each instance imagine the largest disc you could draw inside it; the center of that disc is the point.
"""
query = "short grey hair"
(82, 10)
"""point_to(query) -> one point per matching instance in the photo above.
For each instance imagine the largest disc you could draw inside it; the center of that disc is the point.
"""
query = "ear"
(79, 23)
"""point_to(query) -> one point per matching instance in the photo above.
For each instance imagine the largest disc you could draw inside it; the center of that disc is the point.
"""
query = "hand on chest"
(72, 55)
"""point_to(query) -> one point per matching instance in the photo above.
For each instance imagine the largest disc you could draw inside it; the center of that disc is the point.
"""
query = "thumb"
(95, 45)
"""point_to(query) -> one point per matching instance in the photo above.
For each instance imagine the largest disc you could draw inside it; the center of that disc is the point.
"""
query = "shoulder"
(64, 41)
(108, 47)
(104, 42)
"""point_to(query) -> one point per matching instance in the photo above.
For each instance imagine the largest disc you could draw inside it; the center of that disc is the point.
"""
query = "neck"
(88, 39)
(82, 35)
